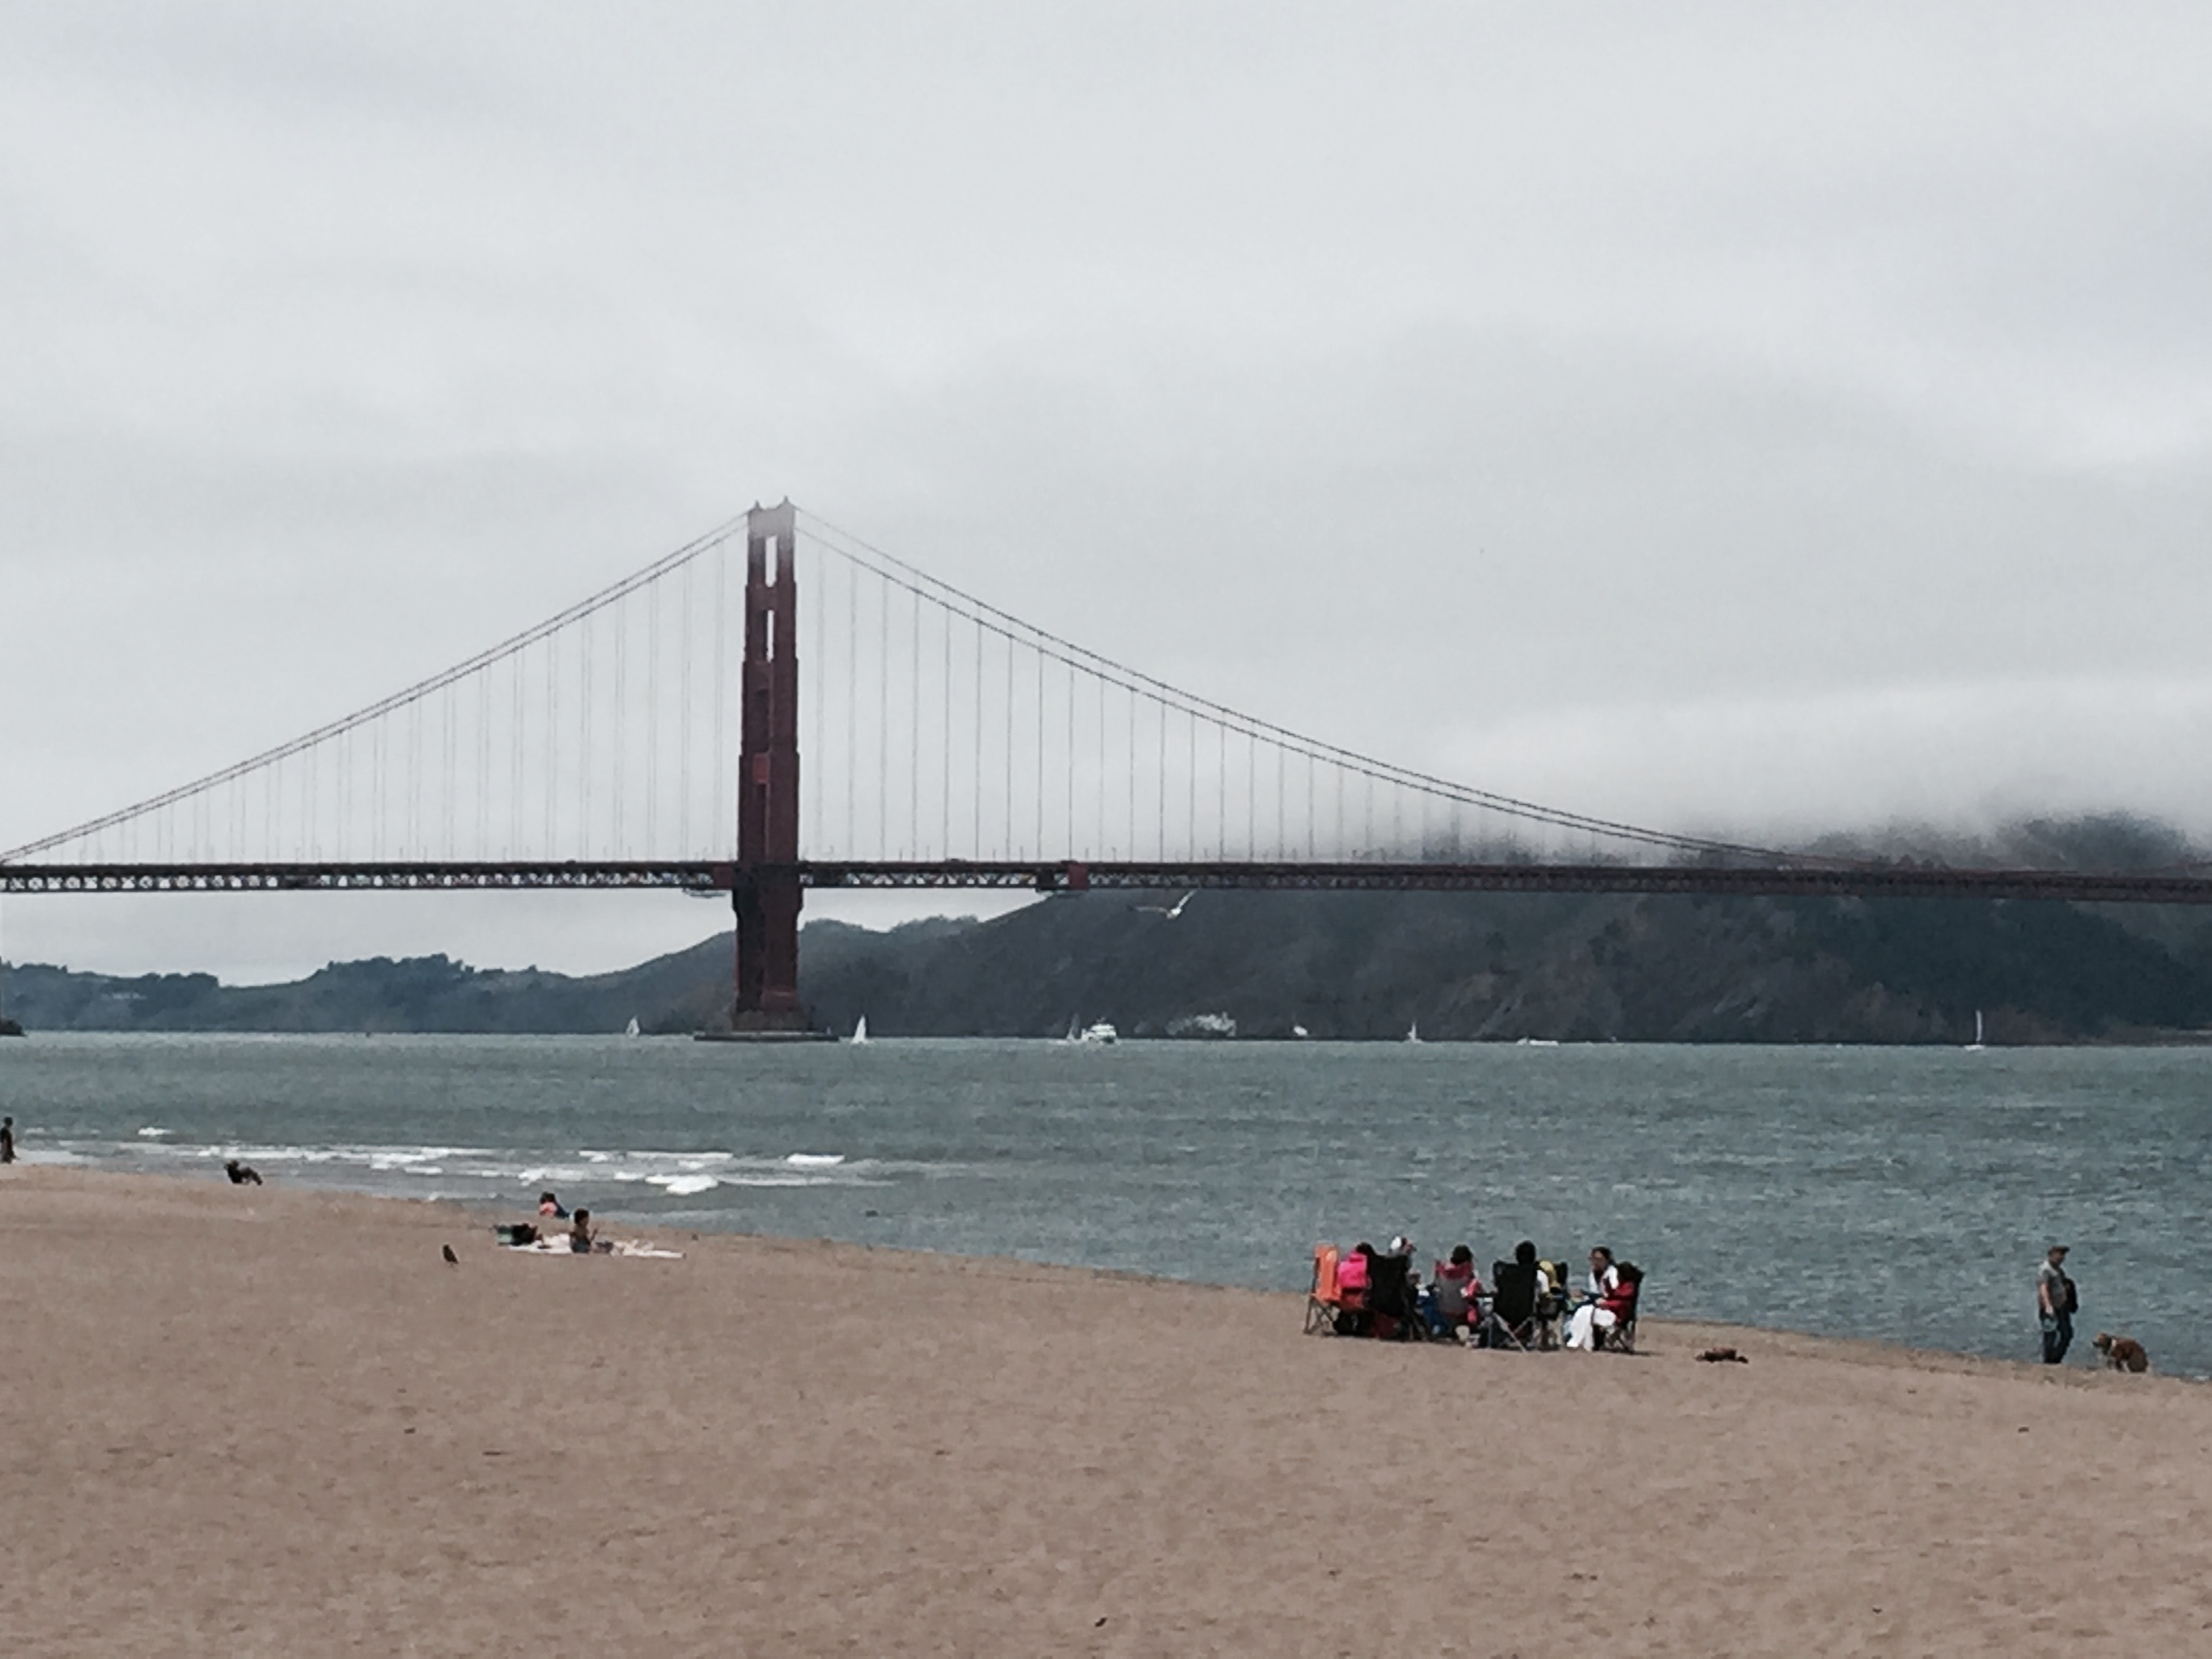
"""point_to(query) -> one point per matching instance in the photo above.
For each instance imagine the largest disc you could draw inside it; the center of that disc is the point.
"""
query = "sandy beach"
(259, 1421)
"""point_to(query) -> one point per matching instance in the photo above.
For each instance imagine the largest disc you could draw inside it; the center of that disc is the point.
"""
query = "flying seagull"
(1169, 911)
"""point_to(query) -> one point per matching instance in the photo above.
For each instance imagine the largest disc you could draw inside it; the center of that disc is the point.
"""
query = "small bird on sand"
(451, 1258)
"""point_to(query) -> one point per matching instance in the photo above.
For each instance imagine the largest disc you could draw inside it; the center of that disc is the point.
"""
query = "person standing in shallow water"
(2054, 1304)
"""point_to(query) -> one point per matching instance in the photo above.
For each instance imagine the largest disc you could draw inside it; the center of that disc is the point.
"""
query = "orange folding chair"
(1325, 1298)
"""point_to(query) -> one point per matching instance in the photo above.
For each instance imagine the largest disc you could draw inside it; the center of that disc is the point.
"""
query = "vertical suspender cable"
(1162, 848)
(852, 677)
(814, 779)
(977, 821)
(1129, 693)
(482, 849)
(721, 809)
(1040, 748)
(516, 737)
(882, 717)
(585, 703)
(945, 795)
(682, 840)
(552, 741)
(652, 598)
(451, 701)
(913, 737)
(618, 737)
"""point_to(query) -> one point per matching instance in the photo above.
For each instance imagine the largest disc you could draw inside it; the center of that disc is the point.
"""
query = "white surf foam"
(680, 1186)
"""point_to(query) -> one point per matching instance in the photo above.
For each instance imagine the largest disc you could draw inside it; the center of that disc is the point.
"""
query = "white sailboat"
(860, 1029)
(1413, 1032)
(631, 1030)
(1975, 1046)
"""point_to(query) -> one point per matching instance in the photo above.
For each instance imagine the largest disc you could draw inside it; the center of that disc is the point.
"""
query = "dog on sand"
(2123, 1353)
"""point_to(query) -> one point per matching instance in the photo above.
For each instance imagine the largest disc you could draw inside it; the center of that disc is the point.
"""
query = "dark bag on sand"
(518, 1232)
(2073, 1301)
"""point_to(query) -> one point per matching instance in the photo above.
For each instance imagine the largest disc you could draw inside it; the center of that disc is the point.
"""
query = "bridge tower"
(764, 888)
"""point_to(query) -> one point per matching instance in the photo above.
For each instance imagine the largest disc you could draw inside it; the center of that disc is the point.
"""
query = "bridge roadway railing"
(1808, 880)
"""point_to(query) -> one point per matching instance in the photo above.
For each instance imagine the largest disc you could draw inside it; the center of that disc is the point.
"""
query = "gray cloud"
(1747, 418)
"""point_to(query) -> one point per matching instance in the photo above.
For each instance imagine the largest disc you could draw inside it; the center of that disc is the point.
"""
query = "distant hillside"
(424, 994)
(1501, 967)
(1485, 966)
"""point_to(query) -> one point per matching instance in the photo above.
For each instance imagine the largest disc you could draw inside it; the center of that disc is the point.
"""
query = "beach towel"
(630, 1247)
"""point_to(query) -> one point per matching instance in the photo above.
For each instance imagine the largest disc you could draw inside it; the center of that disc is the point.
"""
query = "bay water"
(1904, 1195)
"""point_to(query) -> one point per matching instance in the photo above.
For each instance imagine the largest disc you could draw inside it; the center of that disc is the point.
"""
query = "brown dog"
(2123, 1353)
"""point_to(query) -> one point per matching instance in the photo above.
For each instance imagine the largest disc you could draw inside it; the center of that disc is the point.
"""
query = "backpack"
(2072, 1301)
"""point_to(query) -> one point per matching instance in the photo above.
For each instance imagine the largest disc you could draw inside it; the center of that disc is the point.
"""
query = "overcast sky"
(1759, 419)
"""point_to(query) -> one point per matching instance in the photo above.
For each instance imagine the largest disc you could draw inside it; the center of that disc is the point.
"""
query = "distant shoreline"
(481, 1217)
(2195, 1039)
(1678, 1334)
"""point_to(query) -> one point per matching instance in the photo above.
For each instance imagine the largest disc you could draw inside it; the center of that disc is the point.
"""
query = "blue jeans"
(2057, 1334)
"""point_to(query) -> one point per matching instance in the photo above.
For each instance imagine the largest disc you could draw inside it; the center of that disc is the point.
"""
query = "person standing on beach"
(7, 1140)
(2054, 1304)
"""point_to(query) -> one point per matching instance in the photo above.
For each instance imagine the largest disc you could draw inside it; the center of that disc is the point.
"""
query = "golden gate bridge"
(651, 736)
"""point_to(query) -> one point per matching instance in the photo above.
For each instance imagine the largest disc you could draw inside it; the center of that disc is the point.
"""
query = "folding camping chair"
(1509, 1321)
(1327, 1302)
(1619, 1337)
(1390, 1304)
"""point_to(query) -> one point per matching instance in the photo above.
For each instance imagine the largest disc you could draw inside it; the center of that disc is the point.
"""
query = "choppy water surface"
(1902, 1194)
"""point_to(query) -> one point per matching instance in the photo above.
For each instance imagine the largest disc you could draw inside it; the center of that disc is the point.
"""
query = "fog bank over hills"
(1495, 966)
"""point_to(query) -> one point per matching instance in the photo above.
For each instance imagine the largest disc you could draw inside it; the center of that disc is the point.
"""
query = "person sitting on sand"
(1457, 1286)
(1603, 1280)
(1354, 1275)
(241, 1175)
(1390, 1289)
(579, 1233)
(550, 1206)
(1609, 1311)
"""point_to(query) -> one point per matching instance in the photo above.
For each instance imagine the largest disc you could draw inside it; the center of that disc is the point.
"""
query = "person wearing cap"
(2054, 1304)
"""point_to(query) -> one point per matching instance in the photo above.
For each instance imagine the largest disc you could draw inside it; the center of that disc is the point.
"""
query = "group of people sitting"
(583, 1237)
(1364, 1291)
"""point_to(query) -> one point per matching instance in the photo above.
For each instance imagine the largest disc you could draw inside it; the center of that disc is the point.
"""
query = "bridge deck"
(1791, 881)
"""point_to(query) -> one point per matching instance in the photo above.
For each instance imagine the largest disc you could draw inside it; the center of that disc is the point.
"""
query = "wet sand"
(259, 1421)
